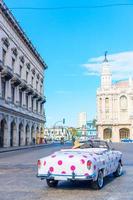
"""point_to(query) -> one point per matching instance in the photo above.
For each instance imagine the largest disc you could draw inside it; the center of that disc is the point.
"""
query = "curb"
(8, 149)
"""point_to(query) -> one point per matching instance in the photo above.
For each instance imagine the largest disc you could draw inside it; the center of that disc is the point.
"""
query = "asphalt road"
(18, 178)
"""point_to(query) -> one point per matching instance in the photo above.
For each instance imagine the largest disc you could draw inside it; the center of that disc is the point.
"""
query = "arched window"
(107, 134)
(107, 104)
(124, 133)
(123, 102)
(100, 104)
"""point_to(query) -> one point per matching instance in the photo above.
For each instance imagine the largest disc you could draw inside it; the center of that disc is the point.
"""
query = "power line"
(72, 7)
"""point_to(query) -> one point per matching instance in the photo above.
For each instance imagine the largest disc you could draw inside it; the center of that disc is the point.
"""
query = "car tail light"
(39, 163)
(89, 163)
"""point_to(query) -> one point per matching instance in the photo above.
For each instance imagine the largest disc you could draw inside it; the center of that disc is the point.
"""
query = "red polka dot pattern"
(72, 167)
(51, 169)
(63, 172)
(86, 174)
(60, 162)
(82, 161)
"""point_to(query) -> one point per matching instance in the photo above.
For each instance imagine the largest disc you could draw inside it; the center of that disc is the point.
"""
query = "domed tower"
(106, 76)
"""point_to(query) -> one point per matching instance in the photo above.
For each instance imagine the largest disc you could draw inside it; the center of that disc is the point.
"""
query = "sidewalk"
(8, 149)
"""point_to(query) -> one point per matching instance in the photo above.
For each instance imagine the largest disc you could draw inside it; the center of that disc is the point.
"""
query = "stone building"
(82, 118)
(56, 133)
(22, 99)
(114, 107)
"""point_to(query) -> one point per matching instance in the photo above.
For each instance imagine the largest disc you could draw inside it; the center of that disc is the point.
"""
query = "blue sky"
(72, 43)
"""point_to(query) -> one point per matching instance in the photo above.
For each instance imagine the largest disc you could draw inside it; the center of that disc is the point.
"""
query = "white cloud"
(121, 65)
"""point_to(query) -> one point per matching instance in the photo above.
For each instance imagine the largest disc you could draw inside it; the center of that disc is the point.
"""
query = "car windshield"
(94, 144)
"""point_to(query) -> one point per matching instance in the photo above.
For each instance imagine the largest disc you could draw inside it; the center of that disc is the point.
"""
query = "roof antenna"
(105, 54)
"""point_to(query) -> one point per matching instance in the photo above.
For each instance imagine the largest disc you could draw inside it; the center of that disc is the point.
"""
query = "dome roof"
(122, 84)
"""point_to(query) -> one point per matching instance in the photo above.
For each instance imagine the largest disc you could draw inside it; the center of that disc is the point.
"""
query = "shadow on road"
(83, 185)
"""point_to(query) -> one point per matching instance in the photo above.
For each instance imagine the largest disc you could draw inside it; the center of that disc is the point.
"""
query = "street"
(18, 179)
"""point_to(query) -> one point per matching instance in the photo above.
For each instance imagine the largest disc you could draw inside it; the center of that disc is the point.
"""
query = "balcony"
(35, 94)
(7, 73)
(30, 89)
(43, 99)
(16, 80)
(40, 97)
(1, 65)
(23, 85)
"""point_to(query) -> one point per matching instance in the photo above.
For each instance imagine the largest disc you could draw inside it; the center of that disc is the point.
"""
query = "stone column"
(29, 136)
(7, 133)
(17, 65)
(23, 134)
(103, 108)
(17, 95)
(16, 132)
(131, 132)
(39, 107)
(115, 134)
(24, 72)
(34, 105)
(100, 132)
(29, 102)
(8, 60)
(24, 99)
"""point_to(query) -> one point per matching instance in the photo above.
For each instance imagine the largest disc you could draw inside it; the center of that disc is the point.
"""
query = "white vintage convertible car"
(92, 161)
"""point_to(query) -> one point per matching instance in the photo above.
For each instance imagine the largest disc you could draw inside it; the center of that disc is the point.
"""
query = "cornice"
(9, 16)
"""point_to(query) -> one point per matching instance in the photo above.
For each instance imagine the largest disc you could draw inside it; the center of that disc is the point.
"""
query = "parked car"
(126, 140)
(91, 161)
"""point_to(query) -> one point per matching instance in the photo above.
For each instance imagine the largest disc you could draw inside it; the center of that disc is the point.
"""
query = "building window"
(41, 107)
(3, 87)
(32, 80)
(106, 104)
(37, 106)
(20, 97)
(100, 104)
(3, 56)
(21, 71)
(27, 101)
(13, 93)
(123, 102)
(32, 104)
(37, 85)
(27, 74)
(13, 63)
(41, 89)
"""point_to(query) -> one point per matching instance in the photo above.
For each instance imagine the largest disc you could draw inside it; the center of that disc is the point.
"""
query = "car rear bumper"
(65, 177)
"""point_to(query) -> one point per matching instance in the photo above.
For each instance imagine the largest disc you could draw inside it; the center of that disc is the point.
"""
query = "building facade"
(87, 131)
(56, 133)
(114, 107)
(91, 129)
(22, 99)
(82, 118)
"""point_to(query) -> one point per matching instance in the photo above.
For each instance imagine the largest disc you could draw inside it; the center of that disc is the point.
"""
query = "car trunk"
(68, 161)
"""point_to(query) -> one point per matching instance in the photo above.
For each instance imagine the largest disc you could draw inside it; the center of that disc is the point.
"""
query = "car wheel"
(51, 182)
(98, 184)
(118, 172)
